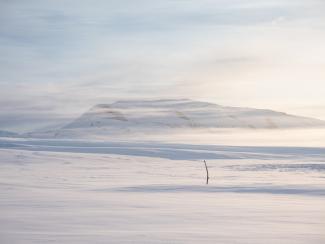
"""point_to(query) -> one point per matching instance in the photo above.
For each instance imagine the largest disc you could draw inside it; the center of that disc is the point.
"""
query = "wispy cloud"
(68, 55)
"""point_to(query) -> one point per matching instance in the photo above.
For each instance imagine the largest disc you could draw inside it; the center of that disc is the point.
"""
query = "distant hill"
(160, 115)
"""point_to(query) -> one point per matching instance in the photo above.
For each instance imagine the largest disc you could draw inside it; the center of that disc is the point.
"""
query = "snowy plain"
(153, 191)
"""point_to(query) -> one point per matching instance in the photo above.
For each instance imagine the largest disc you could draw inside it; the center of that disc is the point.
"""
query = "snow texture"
(81, 191)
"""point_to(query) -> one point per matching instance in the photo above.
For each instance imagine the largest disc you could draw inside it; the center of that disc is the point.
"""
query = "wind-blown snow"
(144, 181)
(185, 113)
(81, 191)
(164, 116)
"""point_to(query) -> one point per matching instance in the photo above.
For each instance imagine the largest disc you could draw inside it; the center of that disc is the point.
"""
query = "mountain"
(184, 113)
(160, 115)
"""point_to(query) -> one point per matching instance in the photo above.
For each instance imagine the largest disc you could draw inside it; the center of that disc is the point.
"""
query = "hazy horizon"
(19, 125)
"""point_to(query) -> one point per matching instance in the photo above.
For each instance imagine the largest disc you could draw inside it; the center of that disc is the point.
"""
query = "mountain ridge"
(163, 115)
(185, 113)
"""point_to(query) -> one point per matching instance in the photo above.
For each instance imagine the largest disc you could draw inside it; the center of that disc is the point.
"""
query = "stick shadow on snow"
(294, 167)
(277, 190)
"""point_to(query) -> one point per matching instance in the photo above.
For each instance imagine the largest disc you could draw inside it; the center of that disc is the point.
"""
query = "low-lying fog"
(240, 137)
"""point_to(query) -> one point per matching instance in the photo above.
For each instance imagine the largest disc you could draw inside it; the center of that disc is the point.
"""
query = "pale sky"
(58, 58)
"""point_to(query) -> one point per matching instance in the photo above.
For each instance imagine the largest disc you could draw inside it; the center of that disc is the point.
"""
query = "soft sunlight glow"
(57, 60)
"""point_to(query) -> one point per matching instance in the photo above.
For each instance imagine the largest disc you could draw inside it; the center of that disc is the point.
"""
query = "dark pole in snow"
(206, 167)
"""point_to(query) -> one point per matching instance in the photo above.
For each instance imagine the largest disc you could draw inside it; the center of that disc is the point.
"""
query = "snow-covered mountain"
(160, 115)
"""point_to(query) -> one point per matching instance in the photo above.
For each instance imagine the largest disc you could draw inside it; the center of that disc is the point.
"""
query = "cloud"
(65, 56)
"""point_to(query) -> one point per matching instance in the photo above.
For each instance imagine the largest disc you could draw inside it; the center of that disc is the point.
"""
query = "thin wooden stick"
(206, 167)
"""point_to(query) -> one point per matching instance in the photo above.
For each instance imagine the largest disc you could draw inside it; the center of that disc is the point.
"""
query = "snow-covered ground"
(73, 191)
